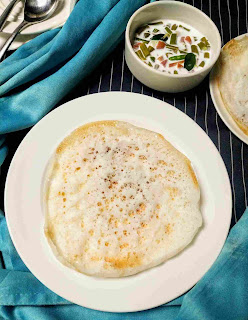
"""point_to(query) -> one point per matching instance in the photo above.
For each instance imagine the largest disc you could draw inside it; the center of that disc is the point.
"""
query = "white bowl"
(184, 13)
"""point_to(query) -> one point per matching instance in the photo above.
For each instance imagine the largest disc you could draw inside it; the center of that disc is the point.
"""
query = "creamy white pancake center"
(119, 199)
(233, 80)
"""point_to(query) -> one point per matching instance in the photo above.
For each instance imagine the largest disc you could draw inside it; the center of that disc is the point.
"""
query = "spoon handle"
(12, 37)
(6, 12)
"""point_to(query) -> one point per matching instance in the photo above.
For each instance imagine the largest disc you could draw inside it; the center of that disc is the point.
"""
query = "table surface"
(230, 16)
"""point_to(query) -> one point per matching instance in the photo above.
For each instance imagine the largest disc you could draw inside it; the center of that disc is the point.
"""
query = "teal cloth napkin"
(35, 77)
(32, 81)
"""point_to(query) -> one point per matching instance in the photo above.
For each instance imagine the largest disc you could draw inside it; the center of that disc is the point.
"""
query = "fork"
(6, 12)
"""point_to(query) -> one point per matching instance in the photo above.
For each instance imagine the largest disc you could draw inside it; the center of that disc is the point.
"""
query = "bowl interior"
(181, 12)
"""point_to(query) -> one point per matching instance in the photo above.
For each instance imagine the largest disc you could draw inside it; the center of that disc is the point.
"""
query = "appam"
(120, 199)
(232, 79)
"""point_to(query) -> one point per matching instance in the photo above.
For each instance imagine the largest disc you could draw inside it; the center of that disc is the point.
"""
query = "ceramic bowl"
(184, 13)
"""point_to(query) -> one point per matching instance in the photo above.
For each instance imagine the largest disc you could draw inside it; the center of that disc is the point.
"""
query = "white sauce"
(163, 55)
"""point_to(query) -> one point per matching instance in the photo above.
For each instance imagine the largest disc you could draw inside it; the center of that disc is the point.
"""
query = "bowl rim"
(165, 74)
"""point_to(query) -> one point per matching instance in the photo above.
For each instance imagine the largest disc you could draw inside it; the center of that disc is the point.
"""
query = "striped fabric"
(231, 18)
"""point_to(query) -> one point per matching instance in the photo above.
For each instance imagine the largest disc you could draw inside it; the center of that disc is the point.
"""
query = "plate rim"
(51, 23)
(73, 300)
(219, 104)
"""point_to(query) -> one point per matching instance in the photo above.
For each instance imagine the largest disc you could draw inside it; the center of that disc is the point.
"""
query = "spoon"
(34, 11)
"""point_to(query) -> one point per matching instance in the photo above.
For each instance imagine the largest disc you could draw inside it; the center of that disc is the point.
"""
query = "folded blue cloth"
(32, 81)
(40, 73)
(221, 294)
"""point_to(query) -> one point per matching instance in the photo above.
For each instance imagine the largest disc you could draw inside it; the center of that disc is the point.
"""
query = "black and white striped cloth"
(231, 18)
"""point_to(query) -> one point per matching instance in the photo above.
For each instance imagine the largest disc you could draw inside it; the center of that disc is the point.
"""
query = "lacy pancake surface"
(233, 80)
(120, 199)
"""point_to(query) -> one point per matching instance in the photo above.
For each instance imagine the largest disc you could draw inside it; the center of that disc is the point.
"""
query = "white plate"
(219, 105)
(145, 290)
(16, 15)
(19, 40)
(59, 17)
